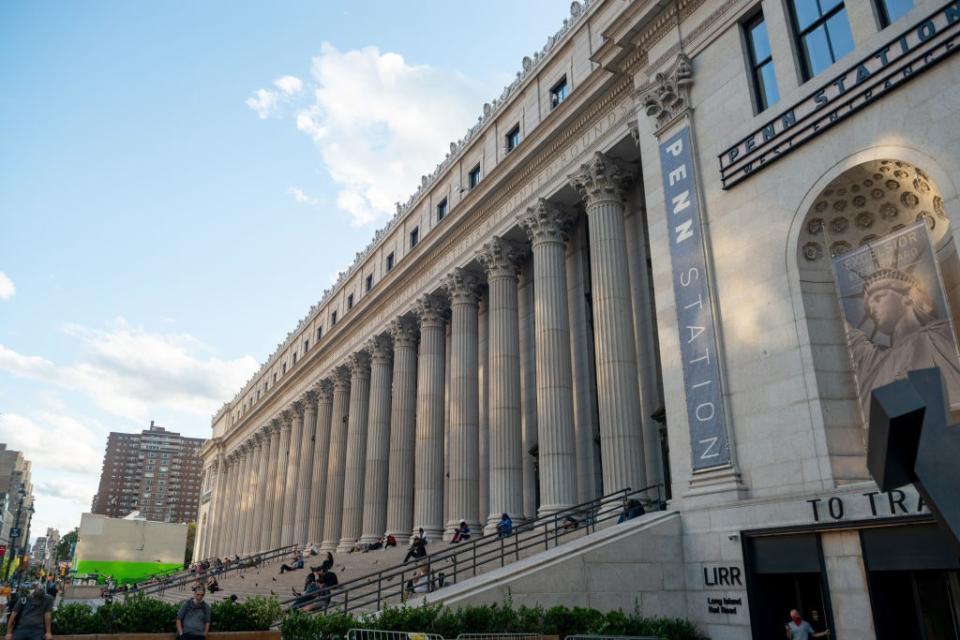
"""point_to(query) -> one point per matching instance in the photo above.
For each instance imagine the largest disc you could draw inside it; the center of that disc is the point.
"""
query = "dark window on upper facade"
(473, 179)
(414, 237)
(442, 210)
(274, 377)
(558, 93)
(284, 368)
(513, 138)
(390, 261)
(349, 301)
(294, 357)
(823, 34)
(369, 283)
(319, 332)
(761, 62)
(892, 10)
(333, 318)
(306, 346)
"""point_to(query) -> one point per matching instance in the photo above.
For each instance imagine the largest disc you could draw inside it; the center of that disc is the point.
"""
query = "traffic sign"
(15, 532)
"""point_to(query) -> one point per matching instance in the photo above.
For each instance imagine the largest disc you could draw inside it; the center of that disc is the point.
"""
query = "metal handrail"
(466, 558)
(245, 562)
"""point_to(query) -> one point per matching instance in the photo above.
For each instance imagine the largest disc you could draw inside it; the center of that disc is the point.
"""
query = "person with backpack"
(51, 587)
(31, 617)
(193, 617)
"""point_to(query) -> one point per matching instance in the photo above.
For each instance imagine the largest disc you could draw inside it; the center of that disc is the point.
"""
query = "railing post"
(379, 587)
(346, 598)
(546, 538)
(474, 560)
(516, 544)
(501, 553)
(555, 538)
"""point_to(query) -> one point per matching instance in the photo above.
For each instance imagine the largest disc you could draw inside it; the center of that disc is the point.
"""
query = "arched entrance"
(866, 206)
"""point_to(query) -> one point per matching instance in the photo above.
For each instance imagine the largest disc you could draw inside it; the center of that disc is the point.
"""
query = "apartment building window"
(442, 210)
(513, 138)
(822, 31)
(414, 237)
(333, 318)
(390, 262)
(369, 283)
(349, 302)
(558, 93)
(892, 10)
(761, 62)
(473, 178)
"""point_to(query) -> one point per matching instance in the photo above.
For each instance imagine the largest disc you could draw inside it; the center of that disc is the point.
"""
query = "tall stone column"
(428, 467)
(280, 488)
(528, 390)
(318, 488)
(403, 430)
(584, 373)
(272, 515)
(236, 537)
(333, 505)
(500, 260)
(463, 287)
(253, 490)
(600, 183)
(447, 350)
(376, 468)
(301, 524)
(288, 534)
(545, 226)
(218, 499)
(353, 475)
(483, 390)
(261, 510)
(223, 526)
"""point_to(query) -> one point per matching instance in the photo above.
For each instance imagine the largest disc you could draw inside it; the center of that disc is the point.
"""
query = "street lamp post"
(15, 533)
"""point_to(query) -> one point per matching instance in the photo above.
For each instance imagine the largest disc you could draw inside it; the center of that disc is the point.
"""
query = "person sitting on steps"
(462, 532)
(418, 549)
(326, 565)
(505, 526)
(293, 566)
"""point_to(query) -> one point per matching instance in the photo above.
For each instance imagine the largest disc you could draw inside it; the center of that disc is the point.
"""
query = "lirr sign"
(921, 47)
(694, 300)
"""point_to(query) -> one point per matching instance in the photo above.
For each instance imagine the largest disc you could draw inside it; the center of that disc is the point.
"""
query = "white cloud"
(134, 373)
(290, 85)
(302, 197)
(381, 124)
(57, 442)
(6, 287)
(267, 102)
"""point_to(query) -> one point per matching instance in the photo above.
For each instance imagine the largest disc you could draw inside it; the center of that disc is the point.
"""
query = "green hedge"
(139, 614)
(559, 620)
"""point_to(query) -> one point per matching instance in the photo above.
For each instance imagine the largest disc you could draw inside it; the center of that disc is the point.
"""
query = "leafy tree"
(66, 544)
(191, 536)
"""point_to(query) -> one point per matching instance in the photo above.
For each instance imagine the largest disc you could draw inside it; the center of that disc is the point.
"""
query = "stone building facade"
(639, 291)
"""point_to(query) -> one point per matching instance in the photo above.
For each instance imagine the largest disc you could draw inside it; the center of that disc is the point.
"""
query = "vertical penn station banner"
(694, 299)
(895, 312)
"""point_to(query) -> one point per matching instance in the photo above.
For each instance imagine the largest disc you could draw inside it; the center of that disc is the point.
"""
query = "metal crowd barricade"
(590, 637)
(375, 634)
(500, 636)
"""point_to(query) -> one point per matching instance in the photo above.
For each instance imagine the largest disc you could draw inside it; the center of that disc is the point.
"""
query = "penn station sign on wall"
(919, 48)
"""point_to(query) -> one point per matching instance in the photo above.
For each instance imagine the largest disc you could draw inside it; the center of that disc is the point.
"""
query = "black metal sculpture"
(911, 440)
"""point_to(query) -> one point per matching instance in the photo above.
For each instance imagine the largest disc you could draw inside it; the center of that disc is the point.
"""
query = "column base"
(369, 538)
(346, 545)
(328, 545)
(718, 484)
(550, 509)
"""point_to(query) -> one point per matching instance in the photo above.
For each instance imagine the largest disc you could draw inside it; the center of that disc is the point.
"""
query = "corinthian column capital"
(431, 310)
(298, 407)
(341, 378)
(462, 286)
(546, 222)
(325, 390)
(501, 258)
(286, 419)
(602, 179)
(380, 348)
(403, 330)
(359, 364)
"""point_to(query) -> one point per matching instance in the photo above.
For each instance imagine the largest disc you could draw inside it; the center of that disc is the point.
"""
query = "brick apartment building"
(156, 472)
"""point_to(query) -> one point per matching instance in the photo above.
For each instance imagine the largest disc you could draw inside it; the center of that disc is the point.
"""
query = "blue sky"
(180, 181)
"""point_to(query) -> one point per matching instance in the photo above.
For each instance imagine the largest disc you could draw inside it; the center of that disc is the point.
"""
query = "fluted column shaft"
(483, 390)
(280, 488)
(499, 258)
(242, 468)
(403, 431)
(288, 533)
(353, 475)
(301, 524)
(584, 374)
(377, 467)
(253, 491)
(333, 505)
(262, 511)
(271, 516)
(428, 469)
(557, 441)
(318, 489)
(217, 524)
(464, 483)
(528, 391)
(601, 182)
